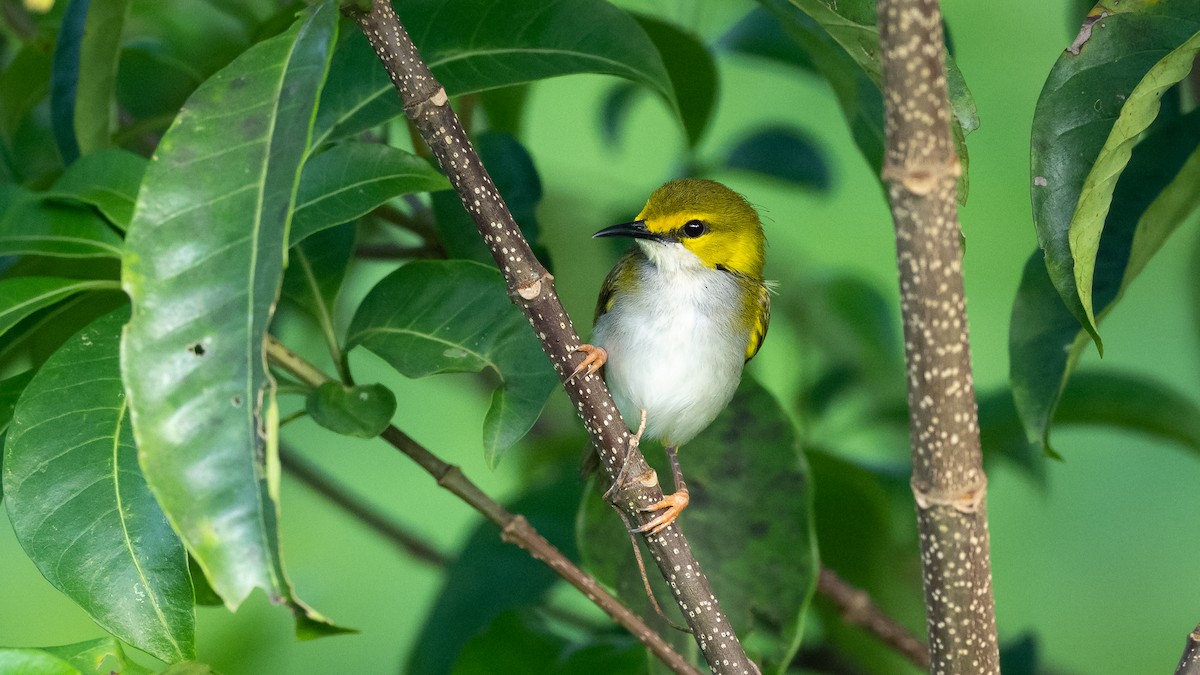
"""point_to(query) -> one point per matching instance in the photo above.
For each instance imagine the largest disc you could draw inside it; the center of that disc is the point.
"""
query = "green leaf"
(517, 180)
(64, 80)
(1156, 193)
(474, 45)
(784, 153)
(751, 510)
(1131, 402)
(80, 507)
(100, 51)
(103, 656)
(759, 34)
(691, 69)
(351, 179)
(316, 269)
(22, 296)
(454, 316)
(108, 180)
(1090, 114)
(363, 410)
(523, 642)
(25, 82)
(843, 42)
(203, 265)
(470, 602)
(32, 225)
(34, 662)
(10, 391)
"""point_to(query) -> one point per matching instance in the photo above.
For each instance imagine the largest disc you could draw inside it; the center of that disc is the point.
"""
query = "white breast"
(682, 358)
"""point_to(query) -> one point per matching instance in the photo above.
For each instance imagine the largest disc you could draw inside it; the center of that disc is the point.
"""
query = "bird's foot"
(594, 359)
(671, 506)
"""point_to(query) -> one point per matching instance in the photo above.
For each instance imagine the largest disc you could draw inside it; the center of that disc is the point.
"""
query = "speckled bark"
(532, 289)
(949, 486)
(1189, 663)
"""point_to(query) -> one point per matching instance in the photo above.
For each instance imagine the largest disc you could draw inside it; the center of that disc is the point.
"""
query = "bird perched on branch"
(679, 315)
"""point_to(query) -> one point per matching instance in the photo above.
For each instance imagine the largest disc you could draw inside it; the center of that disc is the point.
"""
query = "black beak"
(636, 229)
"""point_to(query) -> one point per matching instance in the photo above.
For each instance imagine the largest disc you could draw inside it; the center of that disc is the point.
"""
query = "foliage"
(212, 162)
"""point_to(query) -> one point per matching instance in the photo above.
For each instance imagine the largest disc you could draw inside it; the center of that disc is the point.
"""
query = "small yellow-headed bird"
(679, 315)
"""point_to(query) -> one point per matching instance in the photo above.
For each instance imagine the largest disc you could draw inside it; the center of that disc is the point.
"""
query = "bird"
(679, 316)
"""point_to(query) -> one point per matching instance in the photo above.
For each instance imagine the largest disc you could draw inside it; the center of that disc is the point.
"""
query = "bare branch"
(514, 529)
(531, 288)
(1189, 663)
(857, 609)
(921, 169)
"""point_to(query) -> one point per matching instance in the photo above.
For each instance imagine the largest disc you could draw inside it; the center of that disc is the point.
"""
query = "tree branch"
(1189, 663)
(921, 170)
(531, 288)
(514, 529)
(857, 609)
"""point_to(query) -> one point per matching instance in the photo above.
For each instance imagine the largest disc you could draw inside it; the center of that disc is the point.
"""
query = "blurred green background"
(1099, 562)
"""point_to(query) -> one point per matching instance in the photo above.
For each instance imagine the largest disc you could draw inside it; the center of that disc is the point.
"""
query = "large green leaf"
(453, 316)
(1156, 193)
(350, 179)
(751, 510)
(34, 662)
(474, 45)
(103, 656)
(1092, 110)
(203, 264)
(95, 96)
(80, 507)
(10, 391)
(22, 296)
(108, 180)
(30, 224)
(843, 42)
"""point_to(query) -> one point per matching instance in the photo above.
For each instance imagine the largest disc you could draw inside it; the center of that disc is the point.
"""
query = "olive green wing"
(762, 320)
(621, 273)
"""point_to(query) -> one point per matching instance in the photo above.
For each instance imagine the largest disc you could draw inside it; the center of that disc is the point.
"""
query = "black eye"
(694, 228)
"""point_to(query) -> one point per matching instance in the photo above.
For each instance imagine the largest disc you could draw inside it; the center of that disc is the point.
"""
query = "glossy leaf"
(80, 507)
(31, 225)
(469, 603)
(517, 180)
(783, 153)
(363, 410)
(1156, 194)
(454, 317)
(100, 51)
(108, 180)
(474, 45)
(351, 179)
(751, 510)
(22, 296)
(92, 655)
(65, 78)
(1091, 112)
(10, 391)
(34, 662)
(203, 264)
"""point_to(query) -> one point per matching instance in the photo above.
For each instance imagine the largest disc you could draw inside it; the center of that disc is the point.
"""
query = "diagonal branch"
(948, 483)
(514, 529)
(1189, 663)
(531, 287)
(857, 609)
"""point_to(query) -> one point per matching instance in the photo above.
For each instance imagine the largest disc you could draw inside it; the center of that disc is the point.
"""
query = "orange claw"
(596, 357)
(671, 506)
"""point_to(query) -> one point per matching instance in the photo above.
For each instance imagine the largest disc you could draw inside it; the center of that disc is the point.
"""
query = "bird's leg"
(596, 356)
(671, 505)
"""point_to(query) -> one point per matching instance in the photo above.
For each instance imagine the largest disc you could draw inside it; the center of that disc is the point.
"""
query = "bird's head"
(715, 224)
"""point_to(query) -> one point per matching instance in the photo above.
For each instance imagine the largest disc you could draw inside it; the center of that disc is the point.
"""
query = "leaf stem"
(324, 316)
(532, 288)
(514, 528)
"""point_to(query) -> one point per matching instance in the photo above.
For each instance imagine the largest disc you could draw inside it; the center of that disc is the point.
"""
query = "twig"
(857, 609)
(514, 529)
(531, 288)
(921, 170)
(1189, 663)
(409, 542)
